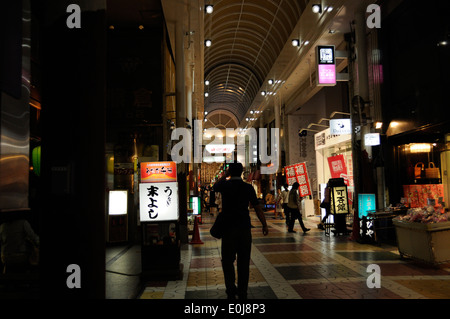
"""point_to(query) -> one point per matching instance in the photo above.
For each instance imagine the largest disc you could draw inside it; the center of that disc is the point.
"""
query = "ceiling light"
(306, 42)
(206, 94)
(317, 8)
(270, 81)
(208, 42)
(295, 42)
(378, 125)
(209, 8)
(263, 93)
(206, 82)
(442, 43)
(330, 8)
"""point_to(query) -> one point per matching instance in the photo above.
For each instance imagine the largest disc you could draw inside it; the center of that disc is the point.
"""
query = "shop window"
(420, 163)
(420, 174)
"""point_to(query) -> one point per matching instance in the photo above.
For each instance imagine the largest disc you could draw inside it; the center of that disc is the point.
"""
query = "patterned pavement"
(303, 266)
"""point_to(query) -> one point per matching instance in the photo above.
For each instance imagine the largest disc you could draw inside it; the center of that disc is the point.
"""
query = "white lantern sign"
(158, 202)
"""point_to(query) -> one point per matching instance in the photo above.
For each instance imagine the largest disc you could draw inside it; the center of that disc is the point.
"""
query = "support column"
(73, 152)
(277, 112)
(180, 79)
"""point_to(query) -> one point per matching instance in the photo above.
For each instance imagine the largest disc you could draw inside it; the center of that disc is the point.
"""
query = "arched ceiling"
(247, 37)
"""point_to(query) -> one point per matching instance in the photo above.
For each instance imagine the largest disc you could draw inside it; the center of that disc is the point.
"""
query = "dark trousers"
(236, 242)
(295, 214)
(287, 213)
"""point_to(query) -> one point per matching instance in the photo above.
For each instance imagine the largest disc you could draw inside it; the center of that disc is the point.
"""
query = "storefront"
(418, 175)
(334, 160)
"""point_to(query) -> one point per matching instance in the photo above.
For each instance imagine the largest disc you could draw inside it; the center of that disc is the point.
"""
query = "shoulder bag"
(218, 227)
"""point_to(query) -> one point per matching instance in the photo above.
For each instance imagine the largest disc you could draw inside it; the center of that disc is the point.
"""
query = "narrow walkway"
(302, 266)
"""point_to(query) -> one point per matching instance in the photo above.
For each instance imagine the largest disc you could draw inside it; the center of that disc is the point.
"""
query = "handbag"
(432, 171)
(418, 170)
(218, 227)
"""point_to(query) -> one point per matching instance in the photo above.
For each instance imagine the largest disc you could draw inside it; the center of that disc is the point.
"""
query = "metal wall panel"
(15, 131)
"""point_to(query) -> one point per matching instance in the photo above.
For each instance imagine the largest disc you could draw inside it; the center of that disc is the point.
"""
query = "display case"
(424, 242)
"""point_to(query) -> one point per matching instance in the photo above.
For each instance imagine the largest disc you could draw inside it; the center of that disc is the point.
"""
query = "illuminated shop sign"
(339, 200)
(195, 205)
(372, 139)
(219, 148)
(326, 66)
(118, 202)
(154, 172)
(340, 126)
(366, 203)
(158, 201)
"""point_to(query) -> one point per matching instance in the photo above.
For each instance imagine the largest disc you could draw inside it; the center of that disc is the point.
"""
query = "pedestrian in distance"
(285, 194)
(279, 205)
(294, 205)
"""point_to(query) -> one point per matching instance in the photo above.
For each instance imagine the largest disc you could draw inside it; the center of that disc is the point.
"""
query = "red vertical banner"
(337, 166)
(298, 173)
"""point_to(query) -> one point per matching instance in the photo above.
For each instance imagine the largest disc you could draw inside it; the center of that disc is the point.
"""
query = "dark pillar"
(73, 148)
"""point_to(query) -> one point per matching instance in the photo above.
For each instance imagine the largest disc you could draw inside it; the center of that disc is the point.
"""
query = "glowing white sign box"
(340, 126)
(118, 202)
(158, 202)
(372, 139)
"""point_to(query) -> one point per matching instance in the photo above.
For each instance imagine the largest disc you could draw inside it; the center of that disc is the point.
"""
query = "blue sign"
(366, 204)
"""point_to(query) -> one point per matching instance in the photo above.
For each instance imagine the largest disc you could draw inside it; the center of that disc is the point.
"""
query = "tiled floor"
(303, 266)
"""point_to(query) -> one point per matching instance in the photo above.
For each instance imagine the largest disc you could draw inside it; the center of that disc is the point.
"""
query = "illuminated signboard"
(339, 200)
(372, 139)
(195, 205)
(219, 148)
(366, 204)
(158, 202)
(157, 172)
(340, 126)
(118, 202)
(326, 66)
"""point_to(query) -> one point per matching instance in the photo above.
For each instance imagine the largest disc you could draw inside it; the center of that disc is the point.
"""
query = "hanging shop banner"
(158, 172)
(298, 173)
(337, 166)
(158, 202)
(326, 65)
(339, 200)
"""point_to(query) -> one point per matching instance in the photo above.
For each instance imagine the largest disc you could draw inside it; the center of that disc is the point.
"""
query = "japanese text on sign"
(158, 201)
(340, 201)
(298, 173)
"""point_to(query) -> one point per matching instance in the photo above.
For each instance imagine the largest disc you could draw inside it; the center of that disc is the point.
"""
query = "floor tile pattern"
(303, 266)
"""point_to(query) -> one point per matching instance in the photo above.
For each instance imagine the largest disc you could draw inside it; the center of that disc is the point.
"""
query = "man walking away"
(237, 237)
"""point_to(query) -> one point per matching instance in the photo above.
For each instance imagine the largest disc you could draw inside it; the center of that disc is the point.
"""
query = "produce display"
(426, 215)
